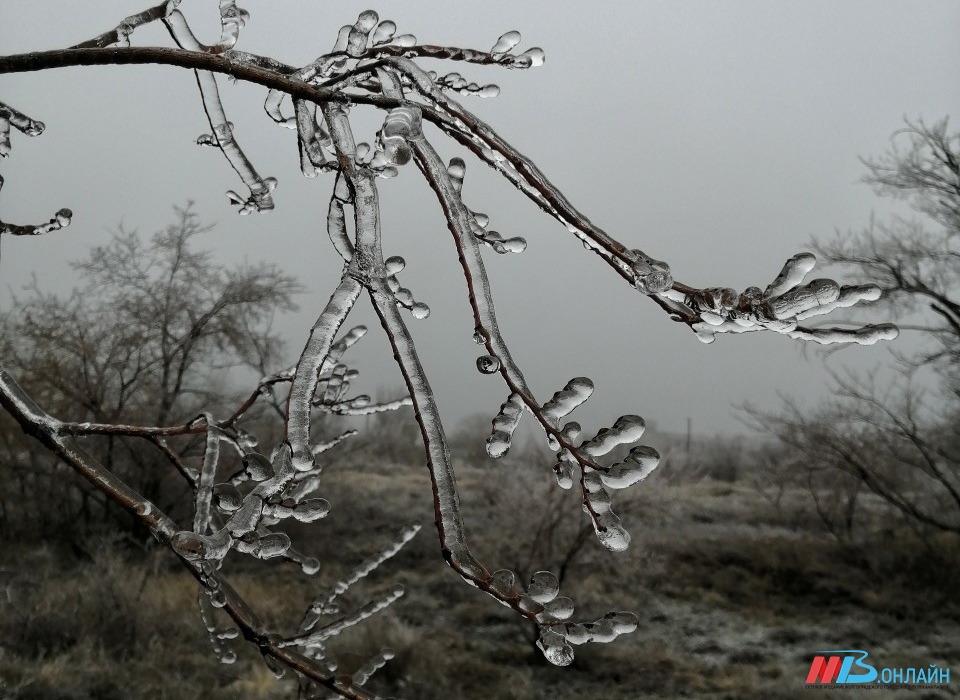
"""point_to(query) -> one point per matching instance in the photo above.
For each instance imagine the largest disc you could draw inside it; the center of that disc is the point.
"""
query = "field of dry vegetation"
(736, 583)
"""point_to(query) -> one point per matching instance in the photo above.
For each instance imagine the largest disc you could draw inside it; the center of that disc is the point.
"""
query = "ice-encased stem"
(260, 188)
(208, 473)
(368, 262)
(306, 375)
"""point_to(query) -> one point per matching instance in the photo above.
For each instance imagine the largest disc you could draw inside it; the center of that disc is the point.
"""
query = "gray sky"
(716, 136)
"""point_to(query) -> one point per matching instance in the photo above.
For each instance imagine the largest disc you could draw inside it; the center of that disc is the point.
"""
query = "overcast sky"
(719, 137)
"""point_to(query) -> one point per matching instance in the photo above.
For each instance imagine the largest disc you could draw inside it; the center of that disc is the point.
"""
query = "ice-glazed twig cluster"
(371, 65)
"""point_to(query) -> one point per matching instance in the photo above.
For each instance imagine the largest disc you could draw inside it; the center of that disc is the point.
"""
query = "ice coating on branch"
(400, 125)
(867, 335)
(506, 42)
(650, 276)
(574, 393)
(488, 364)
(794, 302)
(626, 429)
(504, 426)
(232, 18)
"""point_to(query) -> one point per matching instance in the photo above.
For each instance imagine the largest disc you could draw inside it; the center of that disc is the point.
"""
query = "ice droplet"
(257, 466)
(456, 170)
(311, 509)
(310, 566)
(543, 587)
(228, 497)
(357, 39)
(274, 545)
(404, 40)
(384, 32)
(64, 216)
(506, 42)
(555, 648)
(574, 393)
(488, 364)
(504, 426)
(512, 245)
(614, 536)
(482, 219)
(650, 276)
(420, 310)
(478, 336)
(395, 264)
(277, 668)
(535, 56)
(503, 581)
(188, 545)
(559, 608)
(626, 429)
(638, 465)
(490, 90)
(228, 657)
(792, 274)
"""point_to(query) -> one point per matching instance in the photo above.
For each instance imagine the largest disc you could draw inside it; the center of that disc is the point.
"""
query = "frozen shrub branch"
(370, 65)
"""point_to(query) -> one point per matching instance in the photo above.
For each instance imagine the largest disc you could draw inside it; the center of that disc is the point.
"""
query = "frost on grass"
(371, 66)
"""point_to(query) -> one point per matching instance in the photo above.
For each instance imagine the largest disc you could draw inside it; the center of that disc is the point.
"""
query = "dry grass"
(733, 595)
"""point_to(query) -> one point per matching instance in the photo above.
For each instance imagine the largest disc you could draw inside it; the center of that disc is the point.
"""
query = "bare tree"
(900, 442)
(372, 66)
(140, 341)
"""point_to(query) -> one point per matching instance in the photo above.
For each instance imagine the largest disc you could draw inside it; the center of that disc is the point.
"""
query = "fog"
(719, 137)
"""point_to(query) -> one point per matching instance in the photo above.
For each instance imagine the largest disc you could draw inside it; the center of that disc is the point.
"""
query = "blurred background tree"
(155, 333)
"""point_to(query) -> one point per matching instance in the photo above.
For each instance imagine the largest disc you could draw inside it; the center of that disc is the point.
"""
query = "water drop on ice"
(481, 219)
(228, 657)
(488, 364)
(420, 310)
(490, 90)
(64, 216)
(478, 336)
